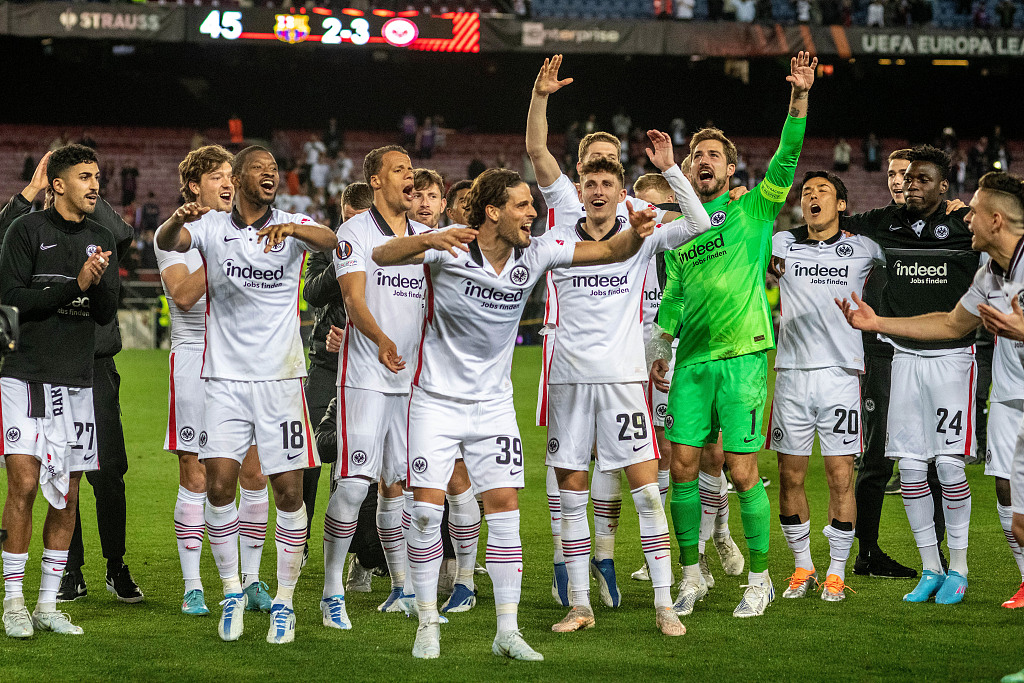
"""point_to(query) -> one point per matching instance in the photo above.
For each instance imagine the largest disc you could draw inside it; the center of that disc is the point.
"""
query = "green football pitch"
(872, 635)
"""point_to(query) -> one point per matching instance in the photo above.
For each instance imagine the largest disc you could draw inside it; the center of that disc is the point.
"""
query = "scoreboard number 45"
(222, 25)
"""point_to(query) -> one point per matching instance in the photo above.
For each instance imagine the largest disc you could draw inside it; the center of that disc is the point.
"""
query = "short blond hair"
(652, 181)
(599, 136)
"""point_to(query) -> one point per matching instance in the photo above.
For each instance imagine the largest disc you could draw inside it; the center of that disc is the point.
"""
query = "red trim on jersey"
(427, 319)
(172, 419)
(545, 366)
(3, 430)
(305, 421)
(551, 218)
(643, 286)
(968, 442)
(650, 422)
(547, 359)
(298, 290)
(768, 435)
(206, 318)
(342, 411)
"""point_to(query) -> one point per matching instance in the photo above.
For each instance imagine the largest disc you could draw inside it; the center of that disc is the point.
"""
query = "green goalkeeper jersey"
(714, 301)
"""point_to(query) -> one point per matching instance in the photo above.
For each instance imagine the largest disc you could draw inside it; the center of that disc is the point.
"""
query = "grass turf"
(872, 635)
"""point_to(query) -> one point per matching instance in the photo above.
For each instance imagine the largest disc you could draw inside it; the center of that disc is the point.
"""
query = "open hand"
(547, 79)
(641, 221)
(662, 156)
(801, 71)
(1009, 325)
(861, 318)
(451, 239)
(387, 354)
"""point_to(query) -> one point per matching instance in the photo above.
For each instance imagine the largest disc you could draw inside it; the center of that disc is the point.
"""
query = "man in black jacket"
(323, 293)
(108, 482)
(54, 268)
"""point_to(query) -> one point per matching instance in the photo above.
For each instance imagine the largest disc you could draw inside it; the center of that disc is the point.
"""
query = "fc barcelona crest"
(291, 28)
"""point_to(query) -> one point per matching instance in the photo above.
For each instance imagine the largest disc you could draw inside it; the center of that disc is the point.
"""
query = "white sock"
(189, 525)
(390, 513)
(222, 530)
(708, 486)
(1006, 521)
(840, 541)
(14, 575)
(555, 513)
(655, 541)
(253, 513)
(664, 481)
(722, 519)
(425, 554)
(289, 537)
(53, 570)
(464, 528)
(576, 545)
(505, 566)
(606, 494)
(917, 500)
(956, 506)
(339, 527)
(798, 538)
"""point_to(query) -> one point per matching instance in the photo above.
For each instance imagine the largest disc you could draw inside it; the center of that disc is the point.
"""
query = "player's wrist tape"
(657, 347)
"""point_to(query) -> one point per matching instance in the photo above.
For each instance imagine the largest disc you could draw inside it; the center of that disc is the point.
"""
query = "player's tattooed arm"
(315, 236)
(402, 251)
(353, 290)
(544, 163)
(622, 246)
(801, 76)
(173, 235)
(1009, 325)
(935, 326)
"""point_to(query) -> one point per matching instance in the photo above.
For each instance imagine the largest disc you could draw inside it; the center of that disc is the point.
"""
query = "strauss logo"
(68, 19)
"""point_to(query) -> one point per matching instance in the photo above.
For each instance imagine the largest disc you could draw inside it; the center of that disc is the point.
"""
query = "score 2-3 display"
(449, 32)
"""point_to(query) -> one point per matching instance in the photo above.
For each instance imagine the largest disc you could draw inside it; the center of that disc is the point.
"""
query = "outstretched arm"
(801, 76)
(544, 163)
(172, 235)
(402, 251)
(928, 327)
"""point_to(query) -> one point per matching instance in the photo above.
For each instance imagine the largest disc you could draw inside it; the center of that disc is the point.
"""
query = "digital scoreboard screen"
(448, 32)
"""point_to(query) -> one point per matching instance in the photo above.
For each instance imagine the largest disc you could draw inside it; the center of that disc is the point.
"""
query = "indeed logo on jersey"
(922, 275)
(402, 286)
(603, 285)
(699, 254)
(255, 277)
(821, 275)
(78, 307)
(492, 297)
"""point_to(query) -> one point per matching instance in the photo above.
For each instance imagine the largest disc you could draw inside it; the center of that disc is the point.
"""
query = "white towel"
(56, 435)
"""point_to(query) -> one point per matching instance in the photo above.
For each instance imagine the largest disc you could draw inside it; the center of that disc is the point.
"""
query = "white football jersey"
(187, 327)
(473, 317)
(252, 305)
(598, 336)
(651, 297)
(995, 287)
(562, 194)
(394, 296)
(813, 332)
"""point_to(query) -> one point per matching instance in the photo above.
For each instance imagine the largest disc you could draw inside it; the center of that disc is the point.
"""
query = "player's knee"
(949, 470)
(1003, 496)
(1018, 528)
(425, 516)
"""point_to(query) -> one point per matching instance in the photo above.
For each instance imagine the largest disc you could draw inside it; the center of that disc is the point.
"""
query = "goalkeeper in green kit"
(714, 303)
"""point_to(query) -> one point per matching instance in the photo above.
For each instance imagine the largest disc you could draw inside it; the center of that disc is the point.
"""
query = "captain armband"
(772, 192)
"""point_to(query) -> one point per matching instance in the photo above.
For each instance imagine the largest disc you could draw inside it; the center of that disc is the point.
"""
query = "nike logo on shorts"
(950, 443)
(292, 457)
(750, 440)
(847, 443)
(513, 473)
(640, 447)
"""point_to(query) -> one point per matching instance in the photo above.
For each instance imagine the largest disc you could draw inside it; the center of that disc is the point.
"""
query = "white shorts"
(67, 431)
(1017, 476)
(658, 400)
(823, 400)
(484, 433)
(1004, 424)
(270, 414)
(186, 400)
(371, 435)
(931, 406)
(613, 417)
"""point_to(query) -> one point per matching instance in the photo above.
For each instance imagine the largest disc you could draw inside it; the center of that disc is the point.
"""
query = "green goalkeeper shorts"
(727, 394)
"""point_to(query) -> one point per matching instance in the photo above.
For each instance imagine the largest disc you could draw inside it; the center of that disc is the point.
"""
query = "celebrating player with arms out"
(563, 201)
(253, 365)
(461, 399)
(817, 387)
(715, 305)
(596, 374)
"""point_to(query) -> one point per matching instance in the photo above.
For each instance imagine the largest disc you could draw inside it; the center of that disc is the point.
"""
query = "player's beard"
(255, 196)
(706, 195)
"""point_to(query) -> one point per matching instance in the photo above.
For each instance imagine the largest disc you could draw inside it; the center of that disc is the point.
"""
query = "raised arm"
(313, 235)
(620, 247)
(402, 251)
(544, 163)
(801, 76)
(693, 213)
(935, 326)
(173, 235)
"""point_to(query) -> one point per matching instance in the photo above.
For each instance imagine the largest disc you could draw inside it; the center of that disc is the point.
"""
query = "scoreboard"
(448, 32)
